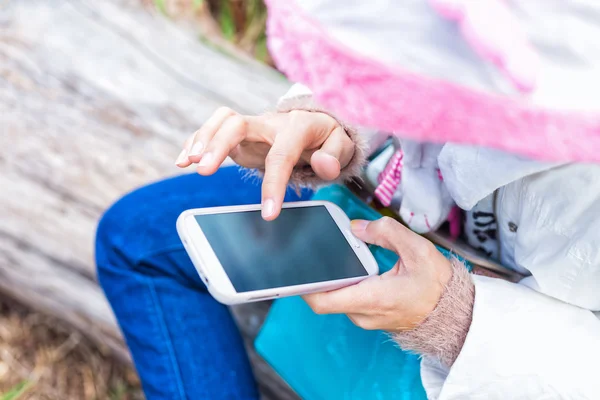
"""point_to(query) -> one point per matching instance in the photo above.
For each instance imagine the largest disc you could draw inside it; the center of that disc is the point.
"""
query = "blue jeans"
(184, 344)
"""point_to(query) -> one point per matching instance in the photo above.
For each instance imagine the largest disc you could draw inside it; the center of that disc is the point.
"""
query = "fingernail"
(181, 157)
(206, 160)
(196, 149)
(334, 158)
(358, 225)
(268, 208)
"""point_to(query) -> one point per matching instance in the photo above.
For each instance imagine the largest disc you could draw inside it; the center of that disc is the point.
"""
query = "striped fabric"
(390, 178)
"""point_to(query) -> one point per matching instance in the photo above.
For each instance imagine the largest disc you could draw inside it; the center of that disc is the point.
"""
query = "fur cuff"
(443, 333)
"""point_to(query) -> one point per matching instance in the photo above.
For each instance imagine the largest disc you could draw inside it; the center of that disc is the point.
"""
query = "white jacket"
(538, 339)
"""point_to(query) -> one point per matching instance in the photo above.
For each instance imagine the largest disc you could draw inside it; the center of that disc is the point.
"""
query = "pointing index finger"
(279, 164)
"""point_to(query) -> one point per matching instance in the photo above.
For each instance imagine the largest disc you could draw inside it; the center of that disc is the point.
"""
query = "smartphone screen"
(303, 245)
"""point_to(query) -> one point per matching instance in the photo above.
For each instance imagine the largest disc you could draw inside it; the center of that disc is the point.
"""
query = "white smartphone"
(242, 258)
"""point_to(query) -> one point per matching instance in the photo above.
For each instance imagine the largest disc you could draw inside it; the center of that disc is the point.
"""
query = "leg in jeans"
(184, 344)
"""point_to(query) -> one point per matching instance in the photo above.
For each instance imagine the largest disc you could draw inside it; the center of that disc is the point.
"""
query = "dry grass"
(45, 360)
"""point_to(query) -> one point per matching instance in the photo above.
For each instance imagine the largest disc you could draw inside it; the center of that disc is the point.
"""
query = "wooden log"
(96, 99)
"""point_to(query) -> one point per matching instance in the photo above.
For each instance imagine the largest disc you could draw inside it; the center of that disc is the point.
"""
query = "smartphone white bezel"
(214, 276)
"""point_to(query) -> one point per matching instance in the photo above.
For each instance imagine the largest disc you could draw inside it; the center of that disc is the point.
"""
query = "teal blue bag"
(326, 356)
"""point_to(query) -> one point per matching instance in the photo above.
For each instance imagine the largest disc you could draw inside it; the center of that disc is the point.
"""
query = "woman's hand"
(399, 299)
(274, 142)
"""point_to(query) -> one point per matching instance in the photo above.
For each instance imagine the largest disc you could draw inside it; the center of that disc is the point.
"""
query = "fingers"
(250, 156)
(390, 234)
(279, 164)
(195, 145)
(231, 133)
(351, 299)
(183, 159)
(384, 232)
(335, 153)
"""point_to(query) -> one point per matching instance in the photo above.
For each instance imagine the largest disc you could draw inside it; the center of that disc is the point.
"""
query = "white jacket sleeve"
(521, 345)
(537, 339)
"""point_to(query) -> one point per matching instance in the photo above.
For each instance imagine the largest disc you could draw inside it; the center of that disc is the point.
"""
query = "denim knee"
(138, 233)
(110, 235)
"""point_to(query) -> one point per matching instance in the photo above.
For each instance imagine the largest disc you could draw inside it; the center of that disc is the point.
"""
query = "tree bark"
(96, 99)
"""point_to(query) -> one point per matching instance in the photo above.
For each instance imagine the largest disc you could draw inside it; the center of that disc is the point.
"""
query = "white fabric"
(471, 173)
(558, 237)
(521, 345)
(421, 199)
(408, 33)
(426, 202)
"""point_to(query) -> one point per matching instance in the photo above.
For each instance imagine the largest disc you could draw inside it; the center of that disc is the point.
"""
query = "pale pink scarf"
(369, 93)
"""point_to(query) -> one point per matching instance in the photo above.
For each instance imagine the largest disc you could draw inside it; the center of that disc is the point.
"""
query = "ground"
(41, 359)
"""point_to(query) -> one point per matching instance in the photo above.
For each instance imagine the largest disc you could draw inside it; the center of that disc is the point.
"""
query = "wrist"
(442, 333)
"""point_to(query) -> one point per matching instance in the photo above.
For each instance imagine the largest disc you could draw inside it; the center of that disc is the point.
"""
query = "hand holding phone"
(403, 297)
(243, 258)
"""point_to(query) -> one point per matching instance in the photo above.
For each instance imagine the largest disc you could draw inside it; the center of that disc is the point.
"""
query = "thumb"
(392, 235)
(334, 155)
